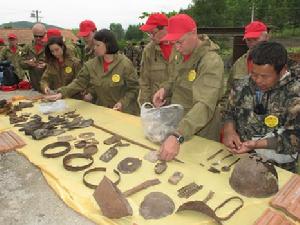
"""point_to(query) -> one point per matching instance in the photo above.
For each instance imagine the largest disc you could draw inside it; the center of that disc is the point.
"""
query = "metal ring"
(69, 157)
(55, 145)
(101, 169)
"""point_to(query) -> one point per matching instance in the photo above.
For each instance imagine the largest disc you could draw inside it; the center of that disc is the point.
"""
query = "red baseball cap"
(154, 20)
(179, 25)
(2, 41)
(12, 36)
(52, 32)
(86, 27)
(254, 29)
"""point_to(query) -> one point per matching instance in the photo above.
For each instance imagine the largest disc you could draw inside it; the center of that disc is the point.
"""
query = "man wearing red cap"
(33, 56)
(87, 29)
(197, 85)
(155, 58)
(13, 53)
(255, 33)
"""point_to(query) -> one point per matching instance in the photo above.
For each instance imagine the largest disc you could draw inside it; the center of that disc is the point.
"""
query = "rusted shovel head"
(111, 201)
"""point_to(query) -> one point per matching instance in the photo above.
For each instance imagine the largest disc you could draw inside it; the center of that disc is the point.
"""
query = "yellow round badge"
(271, 121)
(192, 75)
(115, 78)
(68, 69)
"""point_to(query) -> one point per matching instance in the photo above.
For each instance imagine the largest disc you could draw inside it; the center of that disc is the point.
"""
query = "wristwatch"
(179, 137)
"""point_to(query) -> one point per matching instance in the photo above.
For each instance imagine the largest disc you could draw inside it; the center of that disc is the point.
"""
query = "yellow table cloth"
(70, 188)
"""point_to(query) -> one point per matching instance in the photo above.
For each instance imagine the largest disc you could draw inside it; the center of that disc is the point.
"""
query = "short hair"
(271, 53)
(109, 39)
(54, 40)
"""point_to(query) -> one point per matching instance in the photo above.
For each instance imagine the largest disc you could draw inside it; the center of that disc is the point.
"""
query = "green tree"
(118, 30)
(133, 33)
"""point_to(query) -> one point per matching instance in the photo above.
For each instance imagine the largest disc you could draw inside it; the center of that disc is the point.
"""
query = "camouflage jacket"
(282, 102)
(35, 74)
(14, 58)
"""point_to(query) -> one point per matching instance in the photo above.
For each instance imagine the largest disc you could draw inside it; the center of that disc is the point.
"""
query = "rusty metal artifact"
(156, 205)
(129, 165)
(253, 178)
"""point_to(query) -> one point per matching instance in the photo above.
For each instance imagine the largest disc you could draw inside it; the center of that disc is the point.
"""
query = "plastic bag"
(52, 107)
(159, 123)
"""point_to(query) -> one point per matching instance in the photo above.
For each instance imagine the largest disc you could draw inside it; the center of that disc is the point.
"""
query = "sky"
(69, 13)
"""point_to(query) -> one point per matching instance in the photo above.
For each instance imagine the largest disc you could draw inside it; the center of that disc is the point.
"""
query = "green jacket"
(198, 86)
(281, 101)
(15, 59)
(56, 75)
(118, 84)
(238, 71)
(154, 72)
(35, 74)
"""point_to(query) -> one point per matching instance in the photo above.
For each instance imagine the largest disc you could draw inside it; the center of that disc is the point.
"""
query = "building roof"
(25, 34)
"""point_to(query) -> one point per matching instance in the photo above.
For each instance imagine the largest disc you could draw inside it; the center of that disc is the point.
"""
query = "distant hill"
(24, 24)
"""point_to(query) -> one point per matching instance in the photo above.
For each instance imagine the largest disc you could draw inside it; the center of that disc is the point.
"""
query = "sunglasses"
(38, 36)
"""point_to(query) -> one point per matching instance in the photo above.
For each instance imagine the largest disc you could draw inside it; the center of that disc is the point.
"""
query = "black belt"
(69, 157)
(55, 145)
(101, 169)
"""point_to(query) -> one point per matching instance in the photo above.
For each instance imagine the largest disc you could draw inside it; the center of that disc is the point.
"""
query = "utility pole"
(252, 11)
(35, 14)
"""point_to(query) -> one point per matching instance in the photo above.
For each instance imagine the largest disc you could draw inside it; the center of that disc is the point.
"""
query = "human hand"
(169, 149)
(47, 90)
(159, 98)
(118, 106)
(53, 97)
(247, 146)
(41, 65)
(31, 62)
(88, 97)
(232, 141)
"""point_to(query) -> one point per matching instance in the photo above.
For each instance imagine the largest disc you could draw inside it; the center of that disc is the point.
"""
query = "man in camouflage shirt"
(263, 113)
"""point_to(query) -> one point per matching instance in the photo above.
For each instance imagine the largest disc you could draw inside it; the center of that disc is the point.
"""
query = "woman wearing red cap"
(111, 76)
(62, 68)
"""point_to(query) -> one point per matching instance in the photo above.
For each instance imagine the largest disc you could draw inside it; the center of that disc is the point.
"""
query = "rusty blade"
(214, 155)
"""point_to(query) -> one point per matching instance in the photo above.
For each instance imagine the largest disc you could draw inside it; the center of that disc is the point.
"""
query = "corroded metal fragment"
(175, 178)
(156, 205)
(129, 165)
(189, 190)
(254, 178)
(160, 167)
(111, 201)
(112, 140)
(109, 154)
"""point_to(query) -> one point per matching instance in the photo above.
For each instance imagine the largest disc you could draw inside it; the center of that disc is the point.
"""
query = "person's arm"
(80, 83)
(144, 82)
(132, 85)
(3, 54)
(207, 89)
(45, 80)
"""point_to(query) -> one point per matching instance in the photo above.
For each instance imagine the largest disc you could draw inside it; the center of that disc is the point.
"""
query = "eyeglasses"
(152, 34)
(38, 36)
